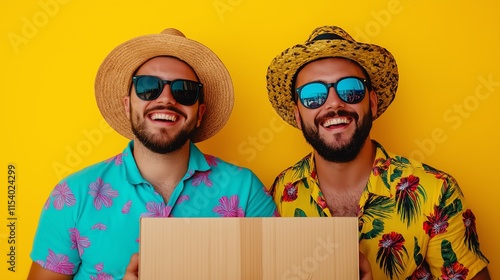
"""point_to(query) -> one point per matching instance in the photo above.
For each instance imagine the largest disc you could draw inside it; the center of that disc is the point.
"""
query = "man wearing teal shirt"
(165, 92)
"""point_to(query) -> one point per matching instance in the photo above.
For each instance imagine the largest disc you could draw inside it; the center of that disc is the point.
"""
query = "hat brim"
(114, 79)
(377, 61)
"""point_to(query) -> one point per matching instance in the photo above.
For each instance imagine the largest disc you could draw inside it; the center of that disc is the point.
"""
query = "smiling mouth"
(163, 117)
(336, 122)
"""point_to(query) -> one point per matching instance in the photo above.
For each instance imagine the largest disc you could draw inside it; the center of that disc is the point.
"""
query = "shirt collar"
(132, 173)
(375, 185)
(381, 170)
(197, 163)
(303, 169)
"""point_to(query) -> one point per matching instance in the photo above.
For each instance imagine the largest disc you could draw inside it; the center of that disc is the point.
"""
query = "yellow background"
(445, 111)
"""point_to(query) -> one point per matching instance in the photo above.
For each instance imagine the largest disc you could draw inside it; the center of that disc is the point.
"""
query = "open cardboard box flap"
(249, 248)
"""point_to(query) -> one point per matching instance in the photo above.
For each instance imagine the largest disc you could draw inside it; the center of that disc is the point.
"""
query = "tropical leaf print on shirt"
(99, 267)
(77, 241)
(63, 196)
(201, 177)
(211, 160)
(471, 237)
(455, 271)
(290, 192)
(157, 209)
(46, 205)
(321, 202)
(99, 226)
(182, 198)
(299, 213)
(126, 207)
(409, 196)
(376, 210)
(422, 272)
(101, 275)
(436, 223)
(229, 207)
(452, 269)
(380, 168)
(395, 165)
(417, 253)
(103, 194)
(377, 207)
(390, 253)
(118, 159)
(59, 263)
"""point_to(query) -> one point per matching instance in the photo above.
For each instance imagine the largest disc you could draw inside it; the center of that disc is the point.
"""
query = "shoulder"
(99, 168)
(231, 170)
(396, 168)
(304, 163)
(300, 170)
(113, 167)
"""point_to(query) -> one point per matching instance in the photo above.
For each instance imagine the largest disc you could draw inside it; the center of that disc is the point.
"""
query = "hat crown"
(173, 32)
(335, 32)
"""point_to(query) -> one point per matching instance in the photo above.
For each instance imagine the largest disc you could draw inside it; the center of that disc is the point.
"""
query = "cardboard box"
(249, 248)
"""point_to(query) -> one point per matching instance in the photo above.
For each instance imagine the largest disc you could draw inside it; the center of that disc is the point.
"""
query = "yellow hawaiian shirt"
(413, 220)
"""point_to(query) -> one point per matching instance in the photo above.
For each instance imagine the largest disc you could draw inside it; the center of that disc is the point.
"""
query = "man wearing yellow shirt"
(414, 222)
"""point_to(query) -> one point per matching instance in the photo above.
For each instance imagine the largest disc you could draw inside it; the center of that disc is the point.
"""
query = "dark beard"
(161, 146)
(347, 152)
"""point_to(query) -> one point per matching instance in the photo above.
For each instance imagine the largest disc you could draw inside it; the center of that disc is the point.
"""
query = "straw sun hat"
(330, 41)
(114, 79)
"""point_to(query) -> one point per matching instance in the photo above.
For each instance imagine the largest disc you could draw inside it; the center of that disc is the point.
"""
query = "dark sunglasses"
(313, 95)
(185, 92)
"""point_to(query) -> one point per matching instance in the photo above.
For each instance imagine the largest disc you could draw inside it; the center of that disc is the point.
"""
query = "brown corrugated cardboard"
(249, 248)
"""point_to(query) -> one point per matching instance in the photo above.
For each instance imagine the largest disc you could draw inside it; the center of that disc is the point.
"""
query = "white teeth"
(166, 117)
(336, 121)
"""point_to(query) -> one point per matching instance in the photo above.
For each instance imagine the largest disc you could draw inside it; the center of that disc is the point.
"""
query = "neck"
(348, 176)
(161, 169)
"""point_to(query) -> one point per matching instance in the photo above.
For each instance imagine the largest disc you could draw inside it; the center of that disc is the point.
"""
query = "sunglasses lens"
(313, 95)
(351, 90)
(185, 92)
(148, 87)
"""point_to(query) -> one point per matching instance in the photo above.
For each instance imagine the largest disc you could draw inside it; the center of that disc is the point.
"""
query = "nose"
(333, 100)
(166, 96)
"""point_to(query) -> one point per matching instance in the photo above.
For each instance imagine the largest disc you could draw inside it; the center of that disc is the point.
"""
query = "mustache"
(332, 114)
(161, 107)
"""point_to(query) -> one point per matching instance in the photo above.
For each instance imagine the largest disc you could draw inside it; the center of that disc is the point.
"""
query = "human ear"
(297, 117)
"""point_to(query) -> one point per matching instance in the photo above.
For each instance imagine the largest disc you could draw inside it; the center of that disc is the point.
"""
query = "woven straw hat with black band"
(330, 41)
(114, 79)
